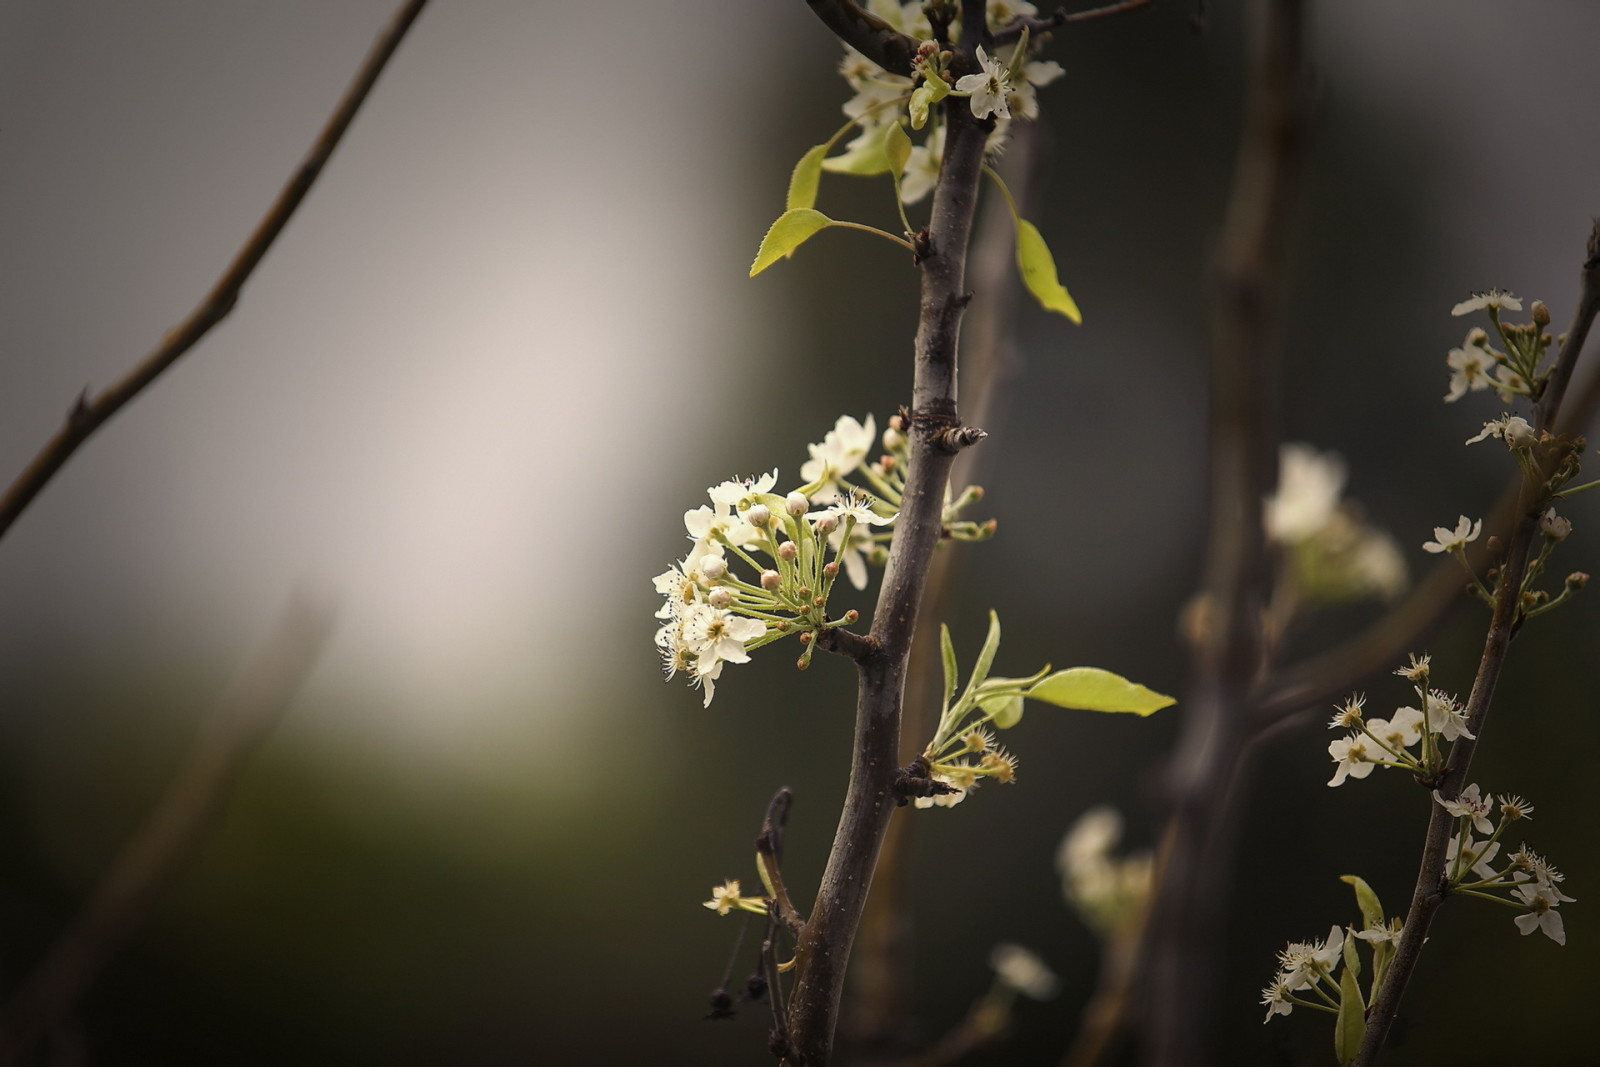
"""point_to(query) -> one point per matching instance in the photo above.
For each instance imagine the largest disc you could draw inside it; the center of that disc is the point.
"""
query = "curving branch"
(1430, 890)
(90, 413)
(867, 34)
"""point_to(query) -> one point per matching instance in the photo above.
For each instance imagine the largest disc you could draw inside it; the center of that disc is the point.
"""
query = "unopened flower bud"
(1477, 336)
(797, 504)
(805, 637)
(826, 524)
(713, 567)
(897, 423)
(886, 463)
(1577, 580)
(720, 598)
(788, 551)
(832, 569)
(852, 615)
(1553, 526)
(758, 516)
(1541, 314)
(1519, 433)
(770, 580)
(892, 437)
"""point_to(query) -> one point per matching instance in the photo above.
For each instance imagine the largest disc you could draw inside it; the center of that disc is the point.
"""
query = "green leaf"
(1093, 689)
(1352, 1022)
(787, 234)
(1352, 961)
(932, 90)
(864, 160)
(947, 652)
(1038, 269)
(805, 179)
(1371, 907)
(1005, 711)
(991, 645)
(896, 148)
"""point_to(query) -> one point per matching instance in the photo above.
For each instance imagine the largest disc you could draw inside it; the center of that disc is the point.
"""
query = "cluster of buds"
(1527, 882)
(1518, 369)
(715, 615)
(1005, 90)
(1388, 742)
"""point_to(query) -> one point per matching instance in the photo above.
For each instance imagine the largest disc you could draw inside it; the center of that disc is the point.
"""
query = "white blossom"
(1469, 805)
(1471, 368)
(988, 89)
(1514, 430)
(842, 450)
(1448, 540)
(1494, 298)
(1541, 901)
(1309, 486)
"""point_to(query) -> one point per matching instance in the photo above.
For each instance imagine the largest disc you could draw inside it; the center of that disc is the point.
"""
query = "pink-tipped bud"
(893, 438)
(720, 598)
(770, 580)
(1541, 313)
(713, 567)
(797, 504)
(852, 615)
(758, 516)
(805, 638)
(897, 423)
(832, 569)
(826, 524)
(788, 551)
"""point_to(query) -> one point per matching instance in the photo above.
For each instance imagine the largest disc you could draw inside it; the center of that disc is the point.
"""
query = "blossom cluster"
(1531, 884)
(714, 615)
(1514, 370)
(1005, 89)
(1331, 553)
(1388, 742)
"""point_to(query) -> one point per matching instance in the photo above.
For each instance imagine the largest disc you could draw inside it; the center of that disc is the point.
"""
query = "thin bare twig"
(1184, 931)
(1430, 890)
(157, 851)
(769, 854)
(1062, 17)
(90, 413)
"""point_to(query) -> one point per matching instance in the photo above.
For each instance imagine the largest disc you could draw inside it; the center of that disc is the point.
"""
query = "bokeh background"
(505, 344)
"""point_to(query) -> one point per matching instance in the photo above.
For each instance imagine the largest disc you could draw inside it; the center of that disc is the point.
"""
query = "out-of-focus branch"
(1062, 17)
(157, 851)
(1430, 890)
(867, 34)
(90, 413)
(1328, 674)
(1184, 936)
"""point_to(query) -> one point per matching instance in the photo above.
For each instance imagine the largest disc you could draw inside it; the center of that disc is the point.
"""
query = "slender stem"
(89, 414)
(1429, 892)
(1184, 939)
(826, 940)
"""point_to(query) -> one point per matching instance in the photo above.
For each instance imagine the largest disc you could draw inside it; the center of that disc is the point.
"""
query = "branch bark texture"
(90, 413)
(825, 942)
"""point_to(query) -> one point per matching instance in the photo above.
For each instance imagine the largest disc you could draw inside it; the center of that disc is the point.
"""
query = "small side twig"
(90, 413)
(769, 854)
(1061, 17)
(157, 851)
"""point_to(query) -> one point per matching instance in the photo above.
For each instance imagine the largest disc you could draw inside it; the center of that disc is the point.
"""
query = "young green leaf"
(932, 90)
(1006, 711)
(1093, 689)
(863, 161)
(1352, 1023)
(991, 645)
(1371, 907)
(947, 652)
(1352, 960)
(896, 148)
(806, 178)
(788, 233)
(1038, 269)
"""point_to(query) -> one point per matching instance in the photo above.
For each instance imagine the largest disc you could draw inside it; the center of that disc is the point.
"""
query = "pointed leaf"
(896, 148)
(991, 645)
(932, 90)
(1093, 689)
(1038, 269)
(1006, 711)
(1352, 960)
(1371, 907)
(864, 160)
(787, 234)
(1352, 1022)
(947, 652)
(805, 179)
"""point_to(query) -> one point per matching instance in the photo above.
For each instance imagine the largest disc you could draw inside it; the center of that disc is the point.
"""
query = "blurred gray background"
(509, 339)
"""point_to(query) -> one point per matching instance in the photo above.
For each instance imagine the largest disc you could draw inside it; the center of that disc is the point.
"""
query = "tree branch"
(867, 34)
(1184, 929)
(825, 943)
(89, 414)
(157, 851)
(1430, 890)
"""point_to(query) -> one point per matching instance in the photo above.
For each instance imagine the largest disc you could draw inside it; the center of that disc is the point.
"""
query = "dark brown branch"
(1184, 935)
(825, 943)
(867, 34)
(769, 853)
(90, 413)
(1429, 892)
(158, 850)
